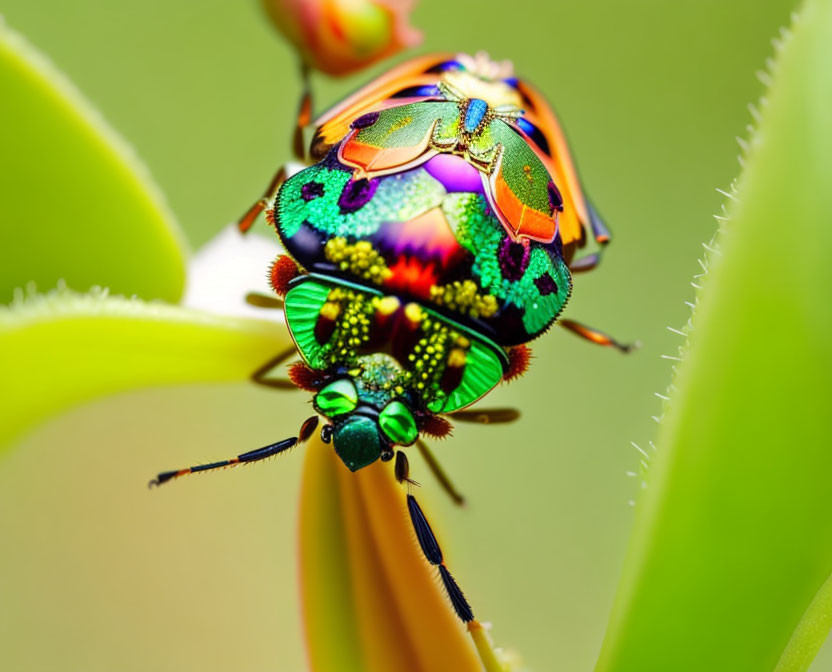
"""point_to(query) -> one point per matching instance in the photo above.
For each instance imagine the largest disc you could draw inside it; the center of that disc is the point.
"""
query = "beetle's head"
(368, 419)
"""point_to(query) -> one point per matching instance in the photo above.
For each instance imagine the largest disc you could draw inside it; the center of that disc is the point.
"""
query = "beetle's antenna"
(306, 430)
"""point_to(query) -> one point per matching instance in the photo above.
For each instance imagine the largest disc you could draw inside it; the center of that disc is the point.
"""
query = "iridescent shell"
(426, 234)
(437, 228)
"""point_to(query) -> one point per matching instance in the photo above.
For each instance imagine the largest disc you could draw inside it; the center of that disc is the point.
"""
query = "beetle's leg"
(430, 547)
(484, 416)
(600, 233)
(595, 336)
(599, 230)
(252, 456)
(402, 469)
(260, 300)
(247, 220)
(259, 376)
(438, 472)
(304, 117)
(586, 263)
(487, 416)
(298, 148)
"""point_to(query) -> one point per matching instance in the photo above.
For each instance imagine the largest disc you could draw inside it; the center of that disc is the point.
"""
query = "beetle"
(432, 235)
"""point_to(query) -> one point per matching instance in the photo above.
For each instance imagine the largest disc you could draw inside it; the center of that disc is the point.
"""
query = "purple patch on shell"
(365, 120)
(356, 194)
(555, 199)
(455, 173)
(546, 285)
(311, 190)
(513, 258)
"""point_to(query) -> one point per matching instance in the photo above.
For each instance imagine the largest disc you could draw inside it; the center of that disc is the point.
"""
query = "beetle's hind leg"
(430, 546)
(487, 416)
(596, 336)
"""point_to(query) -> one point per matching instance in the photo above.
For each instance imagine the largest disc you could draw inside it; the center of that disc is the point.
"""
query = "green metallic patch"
(398, 424)
(483, 146)
(398, 198)
(447, 132)
(337, 398)
(302, 304)
(523, 170)
(483, 371)
(481, 234)
(407, 125)
(484, 359)
(541, 309)
(357, 442)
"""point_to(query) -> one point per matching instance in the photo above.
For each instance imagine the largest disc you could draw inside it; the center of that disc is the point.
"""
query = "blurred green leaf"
(62, 348)
(77, 204)
(810, 634)
(733, 534)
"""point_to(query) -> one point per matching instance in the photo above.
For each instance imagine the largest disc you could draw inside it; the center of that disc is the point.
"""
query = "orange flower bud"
(339, 37)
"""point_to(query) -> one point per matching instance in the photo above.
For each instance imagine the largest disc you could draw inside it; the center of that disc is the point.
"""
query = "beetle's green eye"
(397, 423)
(337, 398)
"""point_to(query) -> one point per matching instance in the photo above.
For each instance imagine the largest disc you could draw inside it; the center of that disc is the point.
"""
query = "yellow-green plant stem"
(484, 648)
(63, 348)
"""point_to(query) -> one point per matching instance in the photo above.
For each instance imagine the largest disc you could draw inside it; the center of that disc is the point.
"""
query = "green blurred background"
(99, 574)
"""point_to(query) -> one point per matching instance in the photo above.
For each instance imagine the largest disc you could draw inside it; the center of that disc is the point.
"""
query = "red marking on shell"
(451, 378)
(283, 270)
(270, 217)
(324, 328)
(519, 358)
(411, 276)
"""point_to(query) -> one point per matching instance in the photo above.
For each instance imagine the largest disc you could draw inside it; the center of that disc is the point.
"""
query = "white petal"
(228, 267)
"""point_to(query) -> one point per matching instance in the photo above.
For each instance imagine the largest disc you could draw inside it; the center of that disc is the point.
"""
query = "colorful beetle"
(431, 238)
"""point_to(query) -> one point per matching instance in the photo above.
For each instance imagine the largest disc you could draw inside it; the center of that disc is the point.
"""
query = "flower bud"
(340, 37)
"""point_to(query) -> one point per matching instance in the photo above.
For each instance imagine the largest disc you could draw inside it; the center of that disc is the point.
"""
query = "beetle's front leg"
(430, 546)
(304, 118)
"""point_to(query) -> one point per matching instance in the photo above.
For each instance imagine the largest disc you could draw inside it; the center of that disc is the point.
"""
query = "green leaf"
(76, 202)
(63, 348)
(810, 634)
(733, 534)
